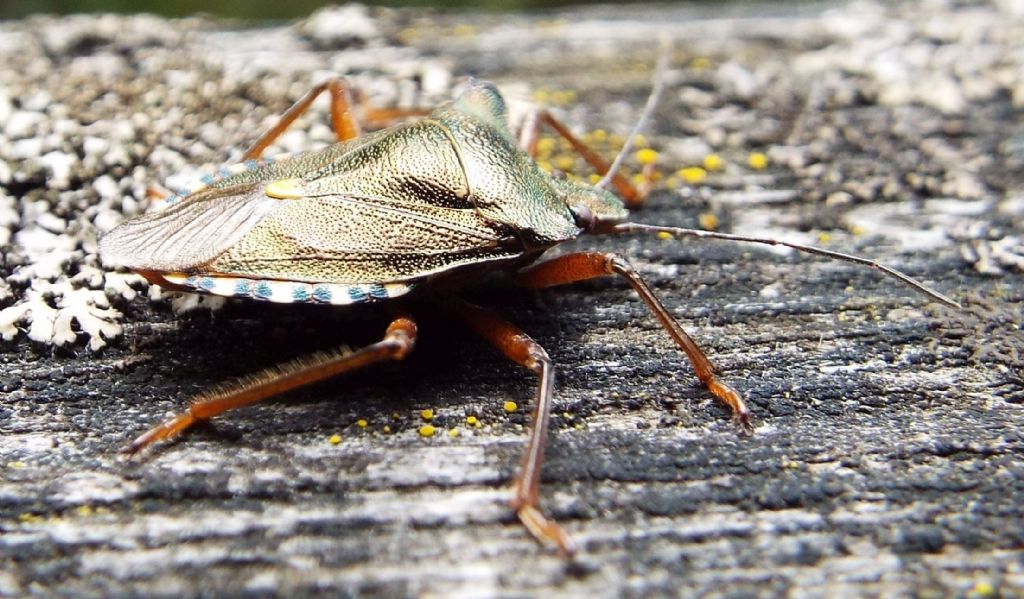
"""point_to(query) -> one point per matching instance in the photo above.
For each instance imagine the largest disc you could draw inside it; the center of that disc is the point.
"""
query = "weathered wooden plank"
(887, 457)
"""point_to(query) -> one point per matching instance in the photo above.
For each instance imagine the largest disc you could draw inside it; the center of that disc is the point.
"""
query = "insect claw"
(745, 426)
(166, 430)
(134, 449)
(136, 446)
(548, 532)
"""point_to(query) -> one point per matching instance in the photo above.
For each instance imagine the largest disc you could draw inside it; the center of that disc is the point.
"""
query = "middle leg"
(520, 348)
(342, 120)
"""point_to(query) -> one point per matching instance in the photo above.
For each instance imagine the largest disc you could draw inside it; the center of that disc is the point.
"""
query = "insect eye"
(583, 216)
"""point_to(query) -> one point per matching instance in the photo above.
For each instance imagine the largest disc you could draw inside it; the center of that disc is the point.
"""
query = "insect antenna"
(680, 232)
(652, 101)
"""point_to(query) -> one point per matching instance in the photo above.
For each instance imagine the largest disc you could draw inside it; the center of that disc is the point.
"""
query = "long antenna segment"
(652, 102)
(891, 272)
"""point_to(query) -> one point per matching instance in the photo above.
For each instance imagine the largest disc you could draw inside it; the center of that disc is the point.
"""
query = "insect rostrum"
(398, 211)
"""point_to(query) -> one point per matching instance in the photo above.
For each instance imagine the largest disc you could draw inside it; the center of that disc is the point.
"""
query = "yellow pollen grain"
(857, 230)
(563, 97)
(334, 439)
(408, 35)
(646, 156)
(427, 430)
(541, 96)
(427, 414)
(599, 135)
(693, 174)
(983, 588)
(757, 160)
(472, 421)
(453, 433)
(546, 145)
(823, 237)
(510, 406)
(564, 162)
(713, 162)
(708, 221)
(701, 62)
(362, 423)
(664, 236)
(387, 428)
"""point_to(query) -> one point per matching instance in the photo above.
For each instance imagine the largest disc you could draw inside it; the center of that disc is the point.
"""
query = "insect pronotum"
(404, 210)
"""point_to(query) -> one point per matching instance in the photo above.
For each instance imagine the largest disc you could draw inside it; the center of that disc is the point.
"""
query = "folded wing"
(240, 231)
(189, 233)
(354, 240)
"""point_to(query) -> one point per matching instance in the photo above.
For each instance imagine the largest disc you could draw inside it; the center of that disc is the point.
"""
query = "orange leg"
(344, 122)
(343, 119)
(157, 194)
(376, 118)
(520, 348)
(589, 265)
(530, 134)
(397, 342)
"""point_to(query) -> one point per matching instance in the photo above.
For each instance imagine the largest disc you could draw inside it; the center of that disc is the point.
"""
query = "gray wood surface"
(887, 454)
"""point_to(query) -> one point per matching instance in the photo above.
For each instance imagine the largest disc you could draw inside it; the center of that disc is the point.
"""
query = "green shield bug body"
(393, 212)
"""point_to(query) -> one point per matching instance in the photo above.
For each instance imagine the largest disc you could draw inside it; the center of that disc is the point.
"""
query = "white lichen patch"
(122, 285)
(995, 257)
(54, 313)
(188, 302)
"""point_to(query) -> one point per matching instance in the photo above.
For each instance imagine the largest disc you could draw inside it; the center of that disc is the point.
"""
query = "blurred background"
(246, 9)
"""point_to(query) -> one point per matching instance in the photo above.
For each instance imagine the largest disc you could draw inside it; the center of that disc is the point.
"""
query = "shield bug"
(397, 212)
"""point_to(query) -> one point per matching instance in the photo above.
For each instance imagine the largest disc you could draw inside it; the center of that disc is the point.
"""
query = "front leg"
(589, 265)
